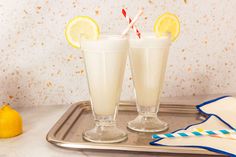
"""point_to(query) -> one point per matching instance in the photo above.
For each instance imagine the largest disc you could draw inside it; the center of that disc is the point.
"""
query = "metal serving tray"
(67, 132)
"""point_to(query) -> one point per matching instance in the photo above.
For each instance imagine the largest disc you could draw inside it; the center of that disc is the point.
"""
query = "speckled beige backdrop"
(38, 67)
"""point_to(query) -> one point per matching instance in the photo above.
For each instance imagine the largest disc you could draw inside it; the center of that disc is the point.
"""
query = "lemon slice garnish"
(167, 23)
(81, 27)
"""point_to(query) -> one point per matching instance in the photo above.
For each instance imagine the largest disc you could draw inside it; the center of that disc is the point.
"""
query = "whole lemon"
(10, 122)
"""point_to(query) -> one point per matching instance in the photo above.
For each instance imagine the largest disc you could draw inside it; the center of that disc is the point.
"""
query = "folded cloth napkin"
(221, 115)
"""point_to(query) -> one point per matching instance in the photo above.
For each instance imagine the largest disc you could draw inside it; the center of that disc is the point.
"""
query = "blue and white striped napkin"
(222, 115)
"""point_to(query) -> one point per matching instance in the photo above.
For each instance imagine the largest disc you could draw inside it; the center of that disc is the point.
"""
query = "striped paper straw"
(131, 24)
(194, 133)
(136, 31)
(228, 136)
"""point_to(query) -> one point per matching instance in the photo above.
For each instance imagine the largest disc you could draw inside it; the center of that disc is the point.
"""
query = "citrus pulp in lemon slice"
(81, 27)
(167, 23)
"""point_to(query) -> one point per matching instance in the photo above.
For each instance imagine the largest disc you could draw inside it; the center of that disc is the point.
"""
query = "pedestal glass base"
(147, 123)
(105, 134)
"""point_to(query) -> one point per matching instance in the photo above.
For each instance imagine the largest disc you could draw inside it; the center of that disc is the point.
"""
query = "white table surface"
(32, 143)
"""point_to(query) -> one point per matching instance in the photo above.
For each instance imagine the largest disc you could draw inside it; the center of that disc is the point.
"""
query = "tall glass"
(105, 61)
(148, 58)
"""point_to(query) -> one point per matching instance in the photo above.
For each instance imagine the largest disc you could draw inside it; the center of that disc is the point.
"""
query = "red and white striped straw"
(132, 22)
(136, 31)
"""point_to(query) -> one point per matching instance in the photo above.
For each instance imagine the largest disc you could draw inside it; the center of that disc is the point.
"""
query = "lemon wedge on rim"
(167, 23)
(81, 27)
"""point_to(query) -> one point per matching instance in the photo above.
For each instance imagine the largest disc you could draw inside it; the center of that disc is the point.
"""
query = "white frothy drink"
(105, 61)
(148, 58)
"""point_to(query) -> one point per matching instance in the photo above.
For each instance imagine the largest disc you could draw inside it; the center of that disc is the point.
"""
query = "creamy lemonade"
(148, 57)
(105, 64)
(105, 60)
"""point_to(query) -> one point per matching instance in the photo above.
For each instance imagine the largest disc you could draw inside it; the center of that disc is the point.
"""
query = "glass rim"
(106, 36)
(145, 35)
(105, 42)
(150, 40)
